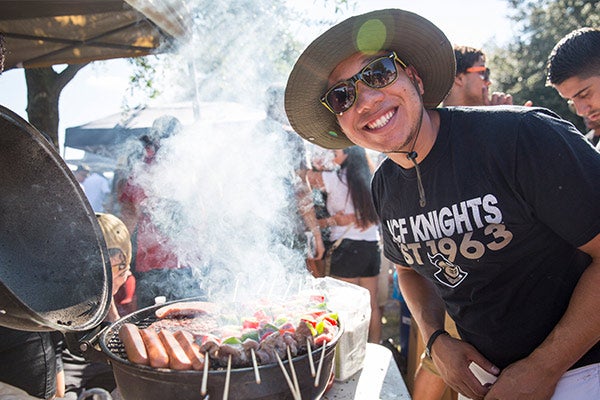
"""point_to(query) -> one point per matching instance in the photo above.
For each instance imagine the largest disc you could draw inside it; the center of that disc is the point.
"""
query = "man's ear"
(459, 80)
(415, 78)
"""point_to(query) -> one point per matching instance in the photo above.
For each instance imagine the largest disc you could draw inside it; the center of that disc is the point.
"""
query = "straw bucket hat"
(115, 234)
(416, 40)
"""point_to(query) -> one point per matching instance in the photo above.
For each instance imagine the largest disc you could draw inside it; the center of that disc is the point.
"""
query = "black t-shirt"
(511, 193)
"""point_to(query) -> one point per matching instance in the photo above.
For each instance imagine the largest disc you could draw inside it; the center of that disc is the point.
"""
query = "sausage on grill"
(177, 358)
(185, 309)
(134, 345)
(157, 354)
(186, 340)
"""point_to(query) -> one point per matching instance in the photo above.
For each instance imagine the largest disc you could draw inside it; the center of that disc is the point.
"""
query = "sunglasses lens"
(341, 97)
(380, 73)
(486, 74)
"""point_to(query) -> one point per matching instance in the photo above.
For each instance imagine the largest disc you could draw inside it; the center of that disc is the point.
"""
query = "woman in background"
(353, 218)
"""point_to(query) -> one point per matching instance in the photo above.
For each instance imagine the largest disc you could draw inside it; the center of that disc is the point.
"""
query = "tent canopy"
(42, 33)
(103, 135)
(106, 136)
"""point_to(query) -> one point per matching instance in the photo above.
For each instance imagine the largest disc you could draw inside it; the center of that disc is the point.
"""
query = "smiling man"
(491, 213)
(574, 71)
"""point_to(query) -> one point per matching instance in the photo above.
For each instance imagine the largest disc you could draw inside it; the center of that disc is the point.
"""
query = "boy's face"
(120, 269)
(385, 119)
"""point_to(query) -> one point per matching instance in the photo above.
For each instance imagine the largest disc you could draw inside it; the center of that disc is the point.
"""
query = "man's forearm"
(423, 302)
(579, 328)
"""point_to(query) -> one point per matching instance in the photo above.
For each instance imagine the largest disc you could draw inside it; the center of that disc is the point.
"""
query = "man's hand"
(496, 99)
(500, 98)
(319, 246)
(522, 380)
(452, 358)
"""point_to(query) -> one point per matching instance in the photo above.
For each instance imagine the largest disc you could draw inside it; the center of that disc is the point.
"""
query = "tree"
(520, 68)
(43, 90)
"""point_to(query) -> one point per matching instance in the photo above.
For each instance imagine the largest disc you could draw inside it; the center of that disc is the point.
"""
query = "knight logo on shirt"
(449, 273)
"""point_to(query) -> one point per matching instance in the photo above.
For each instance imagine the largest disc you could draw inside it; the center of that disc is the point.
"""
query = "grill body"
(142, 382)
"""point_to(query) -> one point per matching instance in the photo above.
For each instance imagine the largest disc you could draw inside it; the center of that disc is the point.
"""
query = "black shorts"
(356, 259)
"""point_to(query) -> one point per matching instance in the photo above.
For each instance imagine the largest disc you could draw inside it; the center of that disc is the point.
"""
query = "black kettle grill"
(54, 268)
(55, 275)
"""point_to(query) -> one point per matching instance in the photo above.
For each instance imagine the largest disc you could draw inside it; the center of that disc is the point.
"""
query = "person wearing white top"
(96, 189)
(353, 219)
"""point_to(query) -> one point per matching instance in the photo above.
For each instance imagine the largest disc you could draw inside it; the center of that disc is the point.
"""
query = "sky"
(98, 90)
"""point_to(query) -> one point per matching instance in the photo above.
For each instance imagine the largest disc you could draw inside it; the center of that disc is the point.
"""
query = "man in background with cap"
(490, 213)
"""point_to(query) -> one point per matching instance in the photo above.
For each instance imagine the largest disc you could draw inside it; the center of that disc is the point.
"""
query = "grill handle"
(88, 343)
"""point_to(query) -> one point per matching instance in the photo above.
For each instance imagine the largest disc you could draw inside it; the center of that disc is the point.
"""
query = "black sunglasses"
(377, 74)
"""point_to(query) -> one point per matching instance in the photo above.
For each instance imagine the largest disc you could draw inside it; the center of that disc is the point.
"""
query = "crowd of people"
(488, 214)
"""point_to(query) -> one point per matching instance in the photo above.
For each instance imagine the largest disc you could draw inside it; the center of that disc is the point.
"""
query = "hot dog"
(134, 345)
(177, 357)
(185, 309)
(157, 354)
(192, 350)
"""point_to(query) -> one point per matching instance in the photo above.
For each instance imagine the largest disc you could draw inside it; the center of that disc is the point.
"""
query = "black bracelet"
(432, 339)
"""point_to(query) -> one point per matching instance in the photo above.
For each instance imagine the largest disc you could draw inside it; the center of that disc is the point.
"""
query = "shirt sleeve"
(558, 172)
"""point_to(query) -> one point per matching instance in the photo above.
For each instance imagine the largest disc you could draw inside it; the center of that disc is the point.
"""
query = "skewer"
(311, 362)
(205, 374)
(320, 364)
(271, 288)
(262, 285)
(255, 365)
(293, 369)
(235, 290)
(287, 378)
(287, 289)
(227, 376)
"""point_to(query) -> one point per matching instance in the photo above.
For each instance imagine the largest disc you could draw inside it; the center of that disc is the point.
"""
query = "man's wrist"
(432, 340)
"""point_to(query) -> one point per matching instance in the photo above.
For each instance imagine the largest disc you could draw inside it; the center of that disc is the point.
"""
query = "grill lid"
(54, 267)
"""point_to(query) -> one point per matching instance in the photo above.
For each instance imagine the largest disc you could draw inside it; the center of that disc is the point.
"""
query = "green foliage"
(141, 82)
(520, 67)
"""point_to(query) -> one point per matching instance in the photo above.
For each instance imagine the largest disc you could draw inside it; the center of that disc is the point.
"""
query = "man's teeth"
(381, 121)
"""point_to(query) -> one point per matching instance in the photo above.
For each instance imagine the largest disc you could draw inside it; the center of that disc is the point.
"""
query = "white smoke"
(218, 190)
